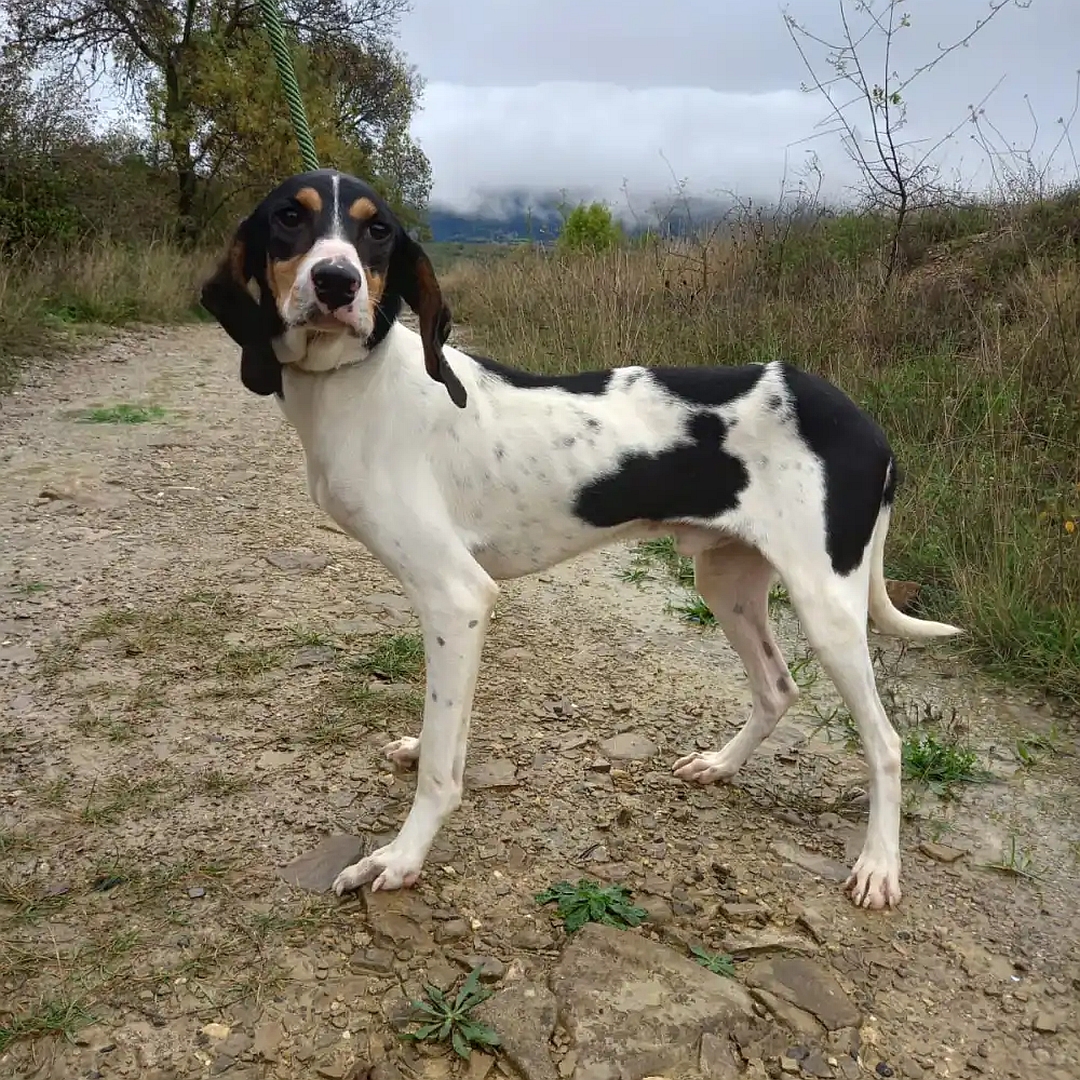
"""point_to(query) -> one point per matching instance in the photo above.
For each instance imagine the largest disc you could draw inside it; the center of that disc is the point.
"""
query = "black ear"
(413, 277)
(225, 295)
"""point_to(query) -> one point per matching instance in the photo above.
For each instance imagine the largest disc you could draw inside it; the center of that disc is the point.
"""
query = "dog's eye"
(378, 230)
(289, 216)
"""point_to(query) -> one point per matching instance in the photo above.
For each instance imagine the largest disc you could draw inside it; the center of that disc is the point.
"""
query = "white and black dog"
(457, 472)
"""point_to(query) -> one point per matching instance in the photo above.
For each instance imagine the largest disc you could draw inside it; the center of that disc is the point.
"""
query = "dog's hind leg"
(734, 580)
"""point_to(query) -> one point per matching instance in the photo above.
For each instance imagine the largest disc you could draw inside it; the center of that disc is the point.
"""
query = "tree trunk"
(177, 126)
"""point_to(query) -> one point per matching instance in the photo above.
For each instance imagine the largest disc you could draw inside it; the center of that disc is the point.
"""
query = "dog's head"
(315, 277)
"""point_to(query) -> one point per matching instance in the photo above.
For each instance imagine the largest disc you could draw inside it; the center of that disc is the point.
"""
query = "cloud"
(592, 138)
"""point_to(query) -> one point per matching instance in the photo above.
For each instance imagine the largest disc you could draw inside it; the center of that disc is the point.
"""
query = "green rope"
(275, 30)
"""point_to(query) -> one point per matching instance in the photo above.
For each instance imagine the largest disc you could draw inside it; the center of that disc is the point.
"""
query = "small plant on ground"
(442, 1019)
(589, 901)
(717, 963)
(940, 765)
(54, 1018)
(695, 610)
(122, 414)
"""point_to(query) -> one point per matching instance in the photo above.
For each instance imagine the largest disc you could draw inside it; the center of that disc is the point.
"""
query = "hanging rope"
(275, 30)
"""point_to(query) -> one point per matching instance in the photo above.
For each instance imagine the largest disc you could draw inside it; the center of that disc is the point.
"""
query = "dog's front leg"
(454, 610)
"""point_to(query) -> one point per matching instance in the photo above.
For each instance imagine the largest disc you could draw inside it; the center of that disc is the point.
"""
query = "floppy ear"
(413, 277)
(226, 297)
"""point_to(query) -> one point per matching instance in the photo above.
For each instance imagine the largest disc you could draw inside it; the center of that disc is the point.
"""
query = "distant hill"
(517, 216)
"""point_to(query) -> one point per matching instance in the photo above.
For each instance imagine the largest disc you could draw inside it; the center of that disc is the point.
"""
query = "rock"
(196, 892)
(823, 867)
(216, 1031)
(633, 1007)
(491, 969)
(1045, 1024)
(375, 961)
(532, 940)
(500, 773)
(388, 602)
(479, 1065)
(399, 920)
(316, 869)
(940, 853)
(742, 912)
(359, 627)
(807, 985)
(630, 746)
(813, 922)
(297, 561)
(523, 1014)
(268, 1037)
(716, 1059)
(793, 1018)
(789, 1065)
(814, 1064)
(756, 942)
(452, 930)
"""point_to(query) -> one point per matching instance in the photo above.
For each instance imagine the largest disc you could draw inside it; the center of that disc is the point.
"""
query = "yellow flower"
(1070, 527)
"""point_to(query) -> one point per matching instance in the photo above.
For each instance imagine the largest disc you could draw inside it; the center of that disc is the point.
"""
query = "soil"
(199, 670)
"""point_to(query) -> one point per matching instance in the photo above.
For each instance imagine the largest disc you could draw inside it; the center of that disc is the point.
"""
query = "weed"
(26, 906)
(695, 610)
(121, 795)
(215, 782)
(1030, 748)
(717, 963)
(55, 1017)
(122, 414)
(804, 671)
(32, 588)
(1016, 861)
(444, 1020)
(301, 636)
(939, 765)
(589, 901)
(396, 659)
(246, 661)
(838, 721)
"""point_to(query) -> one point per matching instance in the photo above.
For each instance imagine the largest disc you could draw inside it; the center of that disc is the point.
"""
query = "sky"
(620, 99)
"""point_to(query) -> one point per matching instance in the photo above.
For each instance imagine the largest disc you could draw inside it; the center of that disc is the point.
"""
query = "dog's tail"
(887, 619)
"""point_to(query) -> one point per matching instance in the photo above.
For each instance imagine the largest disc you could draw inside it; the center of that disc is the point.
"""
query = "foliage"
(939, 764)
(717, 963)
(588, 901)
(591, 228)
(443, 1020)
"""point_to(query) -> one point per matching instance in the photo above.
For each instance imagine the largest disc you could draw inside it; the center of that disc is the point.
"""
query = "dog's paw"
(403, 752)
(386, 868)
(874, 882)
(704, 768)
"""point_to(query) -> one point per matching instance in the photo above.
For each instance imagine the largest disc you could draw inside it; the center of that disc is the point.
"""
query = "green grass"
(122, 413)
(55, 1017)
(444, 1018)
(937, 763)
(589, 901)
(399, 658)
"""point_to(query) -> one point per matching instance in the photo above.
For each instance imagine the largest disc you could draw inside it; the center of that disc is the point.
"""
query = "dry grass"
(971, 361)
(46, 295)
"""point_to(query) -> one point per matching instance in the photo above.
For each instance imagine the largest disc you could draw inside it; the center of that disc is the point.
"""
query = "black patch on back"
(709, 385)
(696, 480)
(855, 456)
(584, 382)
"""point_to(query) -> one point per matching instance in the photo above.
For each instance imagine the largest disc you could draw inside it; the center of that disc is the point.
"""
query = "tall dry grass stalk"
(971, 362)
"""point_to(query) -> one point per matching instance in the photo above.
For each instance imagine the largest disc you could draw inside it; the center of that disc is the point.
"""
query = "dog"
(458, 472)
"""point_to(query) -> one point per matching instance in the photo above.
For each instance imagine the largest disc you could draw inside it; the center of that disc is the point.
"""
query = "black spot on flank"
(698, 479)
(855, 457)
(449, 704)
(592, 423)
(584, 382)
(473, 622)
(738, 609)
(434, 696)
(767, 649)
(500, 452)
(781, 684)
(440, 641)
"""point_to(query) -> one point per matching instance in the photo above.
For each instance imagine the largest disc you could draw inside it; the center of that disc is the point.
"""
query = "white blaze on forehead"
(335, 182)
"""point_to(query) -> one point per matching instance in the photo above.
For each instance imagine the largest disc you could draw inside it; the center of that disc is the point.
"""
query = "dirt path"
(198, 670)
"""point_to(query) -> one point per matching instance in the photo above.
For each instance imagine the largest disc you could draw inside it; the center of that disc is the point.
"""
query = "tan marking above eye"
(309, 197)
(362, 209)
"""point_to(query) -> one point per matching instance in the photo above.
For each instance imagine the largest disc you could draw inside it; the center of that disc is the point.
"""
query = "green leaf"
(469, 987)
(480, 1034)
(576, 920)
(460, 1044)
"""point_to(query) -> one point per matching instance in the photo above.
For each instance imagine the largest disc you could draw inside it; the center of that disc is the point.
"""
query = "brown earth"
(198, 670)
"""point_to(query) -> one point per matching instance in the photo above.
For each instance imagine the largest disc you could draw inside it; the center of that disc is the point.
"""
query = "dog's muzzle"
(336, 283)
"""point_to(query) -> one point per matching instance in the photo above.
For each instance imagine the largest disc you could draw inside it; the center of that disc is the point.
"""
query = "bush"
(591, 229)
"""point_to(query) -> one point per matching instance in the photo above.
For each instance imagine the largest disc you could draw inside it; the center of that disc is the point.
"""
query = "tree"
(202, 73)
(857, 75)
(590, 228)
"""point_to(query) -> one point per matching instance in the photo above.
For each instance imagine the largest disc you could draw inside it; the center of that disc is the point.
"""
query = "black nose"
(336, 283)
